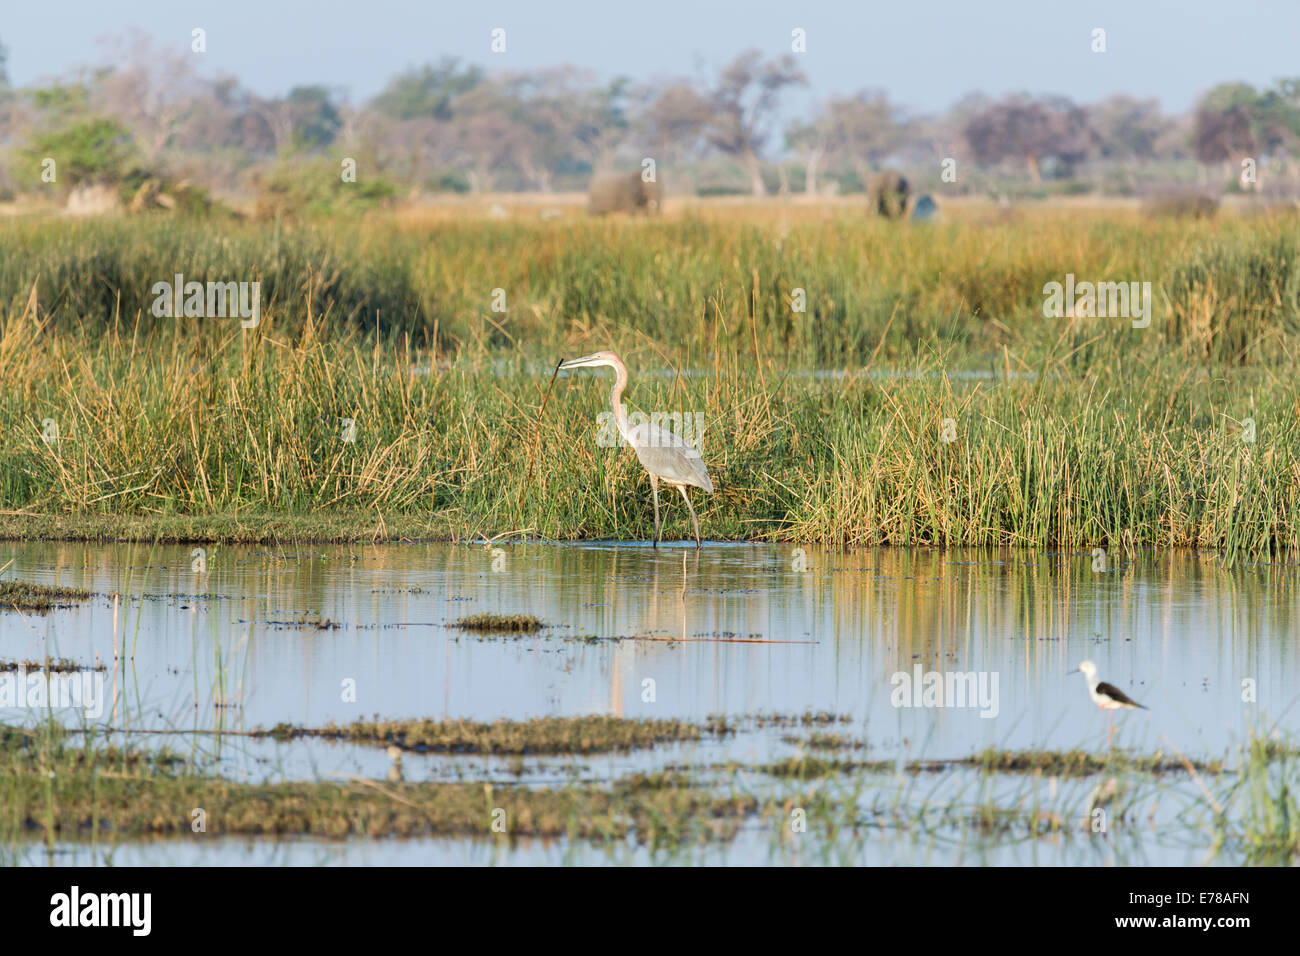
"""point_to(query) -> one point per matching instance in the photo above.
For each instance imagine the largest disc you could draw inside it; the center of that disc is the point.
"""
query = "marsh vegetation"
(1071, 432)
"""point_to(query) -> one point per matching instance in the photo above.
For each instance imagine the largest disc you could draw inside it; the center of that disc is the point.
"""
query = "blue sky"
(926, 53)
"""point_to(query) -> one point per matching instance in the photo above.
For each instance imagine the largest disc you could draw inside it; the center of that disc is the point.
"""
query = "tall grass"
(693, 286)
(1100, 459)
(1069, 432)
(1262, 815)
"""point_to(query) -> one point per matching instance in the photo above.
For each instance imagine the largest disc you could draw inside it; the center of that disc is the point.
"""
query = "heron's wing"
(1117, 695)
(667, 455)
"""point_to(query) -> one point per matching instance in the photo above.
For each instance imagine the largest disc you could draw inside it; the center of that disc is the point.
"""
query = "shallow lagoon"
(307, 636)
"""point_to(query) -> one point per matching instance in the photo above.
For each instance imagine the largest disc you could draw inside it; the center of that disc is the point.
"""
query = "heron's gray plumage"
(667, 455)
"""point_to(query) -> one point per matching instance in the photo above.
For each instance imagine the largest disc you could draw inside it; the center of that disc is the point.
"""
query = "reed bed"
(922, 399)
(1078, 461)
(692, 285)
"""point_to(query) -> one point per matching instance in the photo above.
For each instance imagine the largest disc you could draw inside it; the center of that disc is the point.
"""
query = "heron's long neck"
(616, 400)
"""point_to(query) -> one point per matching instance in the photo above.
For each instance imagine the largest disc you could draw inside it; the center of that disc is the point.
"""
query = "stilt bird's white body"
(1108, 697)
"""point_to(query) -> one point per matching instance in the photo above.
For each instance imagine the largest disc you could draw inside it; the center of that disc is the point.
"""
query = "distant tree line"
(452, 126)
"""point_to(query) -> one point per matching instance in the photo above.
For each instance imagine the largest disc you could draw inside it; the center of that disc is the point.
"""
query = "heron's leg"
(694, 520)
(654, 486)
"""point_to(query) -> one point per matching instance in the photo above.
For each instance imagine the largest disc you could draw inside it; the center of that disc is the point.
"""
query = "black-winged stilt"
(1107, 697)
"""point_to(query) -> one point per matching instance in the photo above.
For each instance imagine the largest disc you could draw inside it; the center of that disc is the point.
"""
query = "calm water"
(735, 629)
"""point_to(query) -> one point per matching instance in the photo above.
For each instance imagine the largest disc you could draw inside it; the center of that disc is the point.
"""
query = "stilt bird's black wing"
(1114, 693)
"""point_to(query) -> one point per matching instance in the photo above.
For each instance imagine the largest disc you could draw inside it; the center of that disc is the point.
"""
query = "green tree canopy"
(88, 149)
(429, 91)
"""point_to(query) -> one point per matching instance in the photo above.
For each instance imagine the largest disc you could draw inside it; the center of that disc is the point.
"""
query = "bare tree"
(671, 119)
(862, 131)
(487, 138)
(151, 92)
(15, 117)
(742, 104)
(1234, 121)
(1128, 128)
(810, 141)
(1029, 130)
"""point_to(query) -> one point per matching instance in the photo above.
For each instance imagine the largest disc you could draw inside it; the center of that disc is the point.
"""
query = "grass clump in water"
(68, 786)
(1081, 763)
(1072, 763)
(488, 623)
(40, 598)
(308, 623)
(542, 735)
(819, 718)
(826, 741)
(72, 784)
(810, 767)
(54, 665)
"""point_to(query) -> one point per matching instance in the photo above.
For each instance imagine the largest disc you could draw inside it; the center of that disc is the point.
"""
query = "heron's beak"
(578, 362)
